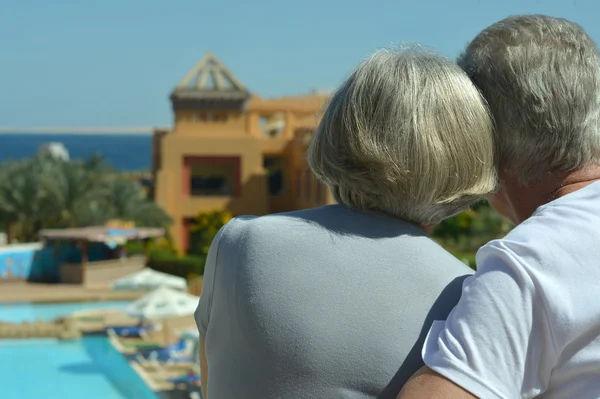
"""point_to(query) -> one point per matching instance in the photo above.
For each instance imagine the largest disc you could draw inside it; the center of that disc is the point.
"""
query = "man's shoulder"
(526, 248)
(547, 244)
(557, 229)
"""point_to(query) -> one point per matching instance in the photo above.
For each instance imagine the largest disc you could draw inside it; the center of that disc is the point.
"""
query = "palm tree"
(22, 199)
(72, 191)
(97, 163)
(128, 202)
(45, 192)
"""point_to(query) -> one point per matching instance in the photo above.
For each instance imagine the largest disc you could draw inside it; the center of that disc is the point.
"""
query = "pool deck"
(157, 374)
(20, 291)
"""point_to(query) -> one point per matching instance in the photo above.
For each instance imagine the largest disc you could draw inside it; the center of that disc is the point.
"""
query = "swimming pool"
(47, 368)
(20, 312)
(88, 368)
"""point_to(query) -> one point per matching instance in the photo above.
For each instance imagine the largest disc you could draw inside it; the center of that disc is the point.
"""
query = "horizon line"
(80, 130)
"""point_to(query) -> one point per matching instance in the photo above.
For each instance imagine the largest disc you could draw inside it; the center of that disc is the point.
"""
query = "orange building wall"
(219, 134)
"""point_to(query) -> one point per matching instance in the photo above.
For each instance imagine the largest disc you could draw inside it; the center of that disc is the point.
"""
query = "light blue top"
(323, 303)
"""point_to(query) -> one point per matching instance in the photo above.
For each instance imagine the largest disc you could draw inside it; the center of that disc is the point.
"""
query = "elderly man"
(528, 322)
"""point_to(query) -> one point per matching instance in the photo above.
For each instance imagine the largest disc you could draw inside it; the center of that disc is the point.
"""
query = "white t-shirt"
(528, 322)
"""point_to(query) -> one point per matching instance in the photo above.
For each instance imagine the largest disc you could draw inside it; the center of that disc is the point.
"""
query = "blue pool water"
(88, 368)
(20, 312)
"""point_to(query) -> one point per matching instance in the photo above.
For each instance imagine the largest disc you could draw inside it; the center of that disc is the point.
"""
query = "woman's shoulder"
(275, 223)
(279, 229)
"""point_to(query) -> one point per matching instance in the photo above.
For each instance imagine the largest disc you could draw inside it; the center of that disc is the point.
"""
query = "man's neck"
(524, 200)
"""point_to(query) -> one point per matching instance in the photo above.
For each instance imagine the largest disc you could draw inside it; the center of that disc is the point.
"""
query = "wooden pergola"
(104, 271)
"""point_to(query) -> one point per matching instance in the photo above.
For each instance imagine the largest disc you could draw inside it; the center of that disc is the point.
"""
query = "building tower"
(232, 150)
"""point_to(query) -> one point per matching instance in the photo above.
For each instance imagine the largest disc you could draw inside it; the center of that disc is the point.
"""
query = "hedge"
(167, 262)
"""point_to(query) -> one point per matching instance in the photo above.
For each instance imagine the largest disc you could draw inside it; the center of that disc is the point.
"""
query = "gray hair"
(541, 78)
(407, 134)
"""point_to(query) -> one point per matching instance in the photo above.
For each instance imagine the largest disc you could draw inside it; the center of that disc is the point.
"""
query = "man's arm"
(497, 342)
(426, 383)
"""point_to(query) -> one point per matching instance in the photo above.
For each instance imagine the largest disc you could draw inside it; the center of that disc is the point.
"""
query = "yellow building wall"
(170, 179)
(210, 123)
(239, 134)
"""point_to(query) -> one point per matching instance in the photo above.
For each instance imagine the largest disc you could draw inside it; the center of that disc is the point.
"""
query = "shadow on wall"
(255, 200)
(292, 195)
(252, 196)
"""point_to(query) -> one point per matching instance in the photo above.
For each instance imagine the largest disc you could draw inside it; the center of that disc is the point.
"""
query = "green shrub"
(467, 258)
(203, 230)
(468, 231)
(158, 253)
(135, 247)
(166, 262)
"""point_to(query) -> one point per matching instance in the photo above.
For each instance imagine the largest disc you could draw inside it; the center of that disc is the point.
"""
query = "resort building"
(231, 150)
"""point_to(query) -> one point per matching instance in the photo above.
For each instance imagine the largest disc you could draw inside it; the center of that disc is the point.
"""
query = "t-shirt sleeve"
(497, 342)
(202, 314)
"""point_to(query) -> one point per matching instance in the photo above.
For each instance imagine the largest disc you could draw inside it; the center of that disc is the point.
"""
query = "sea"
(125, 152)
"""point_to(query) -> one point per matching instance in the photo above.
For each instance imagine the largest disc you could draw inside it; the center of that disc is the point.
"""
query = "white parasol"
(148, 279)
(163, 303)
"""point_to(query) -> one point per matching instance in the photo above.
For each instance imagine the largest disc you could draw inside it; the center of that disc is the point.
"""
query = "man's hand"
(426, 383)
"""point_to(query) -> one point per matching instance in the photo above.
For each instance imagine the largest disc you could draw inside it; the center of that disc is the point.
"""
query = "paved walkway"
(19, 291)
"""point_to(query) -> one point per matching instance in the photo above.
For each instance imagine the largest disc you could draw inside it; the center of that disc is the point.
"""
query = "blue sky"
(114, 62)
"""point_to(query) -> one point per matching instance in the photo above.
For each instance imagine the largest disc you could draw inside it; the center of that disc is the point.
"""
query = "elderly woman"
(334, 302)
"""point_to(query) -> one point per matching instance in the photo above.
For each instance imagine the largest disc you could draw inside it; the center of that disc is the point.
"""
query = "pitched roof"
(210, 79)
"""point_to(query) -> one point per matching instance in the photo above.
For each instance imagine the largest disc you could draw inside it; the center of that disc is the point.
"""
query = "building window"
(275, 167)
(206, 176)
(271, 125)
(308, 188)
(210, 185)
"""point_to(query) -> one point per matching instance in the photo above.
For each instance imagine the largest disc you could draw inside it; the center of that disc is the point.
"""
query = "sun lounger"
(142, 345)
(186, 378)
(191, 380)
(150, 364)
(134, 331)
(177, 350)
(181, 351)
(160, 364)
